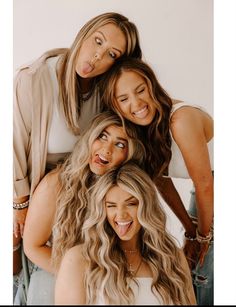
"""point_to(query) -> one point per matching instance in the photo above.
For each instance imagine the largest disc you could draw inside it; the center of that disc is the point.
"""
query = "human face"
(121, 211)
(100, 50)
(110, 149)
(133, 98)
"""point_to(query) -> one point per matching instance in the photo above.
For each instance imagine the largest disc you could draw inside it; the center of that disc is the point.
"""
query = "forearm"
(171, 197)
(204, 202)
(41, 256)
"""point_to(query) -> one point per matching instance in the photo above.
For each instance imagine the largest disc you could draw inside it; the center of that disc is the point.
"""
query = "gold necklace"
(134, 272)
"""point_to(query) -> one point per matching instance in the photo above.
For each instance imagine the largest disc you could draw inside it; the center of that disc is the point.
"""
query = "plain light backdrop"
(176, 38)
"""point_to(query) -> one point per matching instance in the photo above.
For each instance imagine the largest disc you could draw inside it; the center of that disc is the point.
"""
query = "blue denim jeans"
(203, 279)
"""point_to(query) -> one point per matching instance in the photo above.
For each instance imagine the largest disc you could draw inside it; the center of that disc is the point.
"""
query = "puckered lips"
(101, 160)
(123, 227)
(142, 112)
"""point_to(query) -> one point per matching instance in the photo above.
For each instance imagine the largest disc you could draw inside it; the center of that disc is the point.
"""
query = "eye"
(110, 206)
(102, 136)
(123, 99)
(112, 55)
(141, 90)
(98, 41)
(132, 204)
(121, 145)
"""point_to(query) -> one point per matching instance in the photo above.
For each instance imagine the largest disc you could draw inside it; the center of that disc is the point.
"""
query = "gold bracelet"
(21, 205)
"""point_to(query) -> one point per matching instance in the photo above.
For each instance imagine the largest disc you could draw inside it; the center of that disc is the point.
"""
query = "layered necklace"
(133, 268)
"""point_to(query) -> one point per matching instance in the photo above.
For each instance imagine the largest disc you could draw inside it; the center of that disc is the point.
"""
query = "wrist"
(20, 206)
(203, 238)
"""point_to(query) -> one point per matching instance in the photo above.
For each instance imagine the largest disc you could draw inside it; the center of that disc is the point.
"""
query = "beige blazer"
(32, 113)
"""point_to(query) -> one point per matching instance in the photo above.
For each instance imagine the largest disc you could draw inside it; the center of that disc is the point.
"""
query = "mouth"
(141, 113)
(100, 159)
(123, 227)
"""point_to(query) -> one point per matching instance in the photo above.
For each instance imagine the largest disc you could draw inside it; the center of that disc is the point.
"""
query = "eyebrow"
(126, 200)
(143, 83)
(118, 50)
(118, 138)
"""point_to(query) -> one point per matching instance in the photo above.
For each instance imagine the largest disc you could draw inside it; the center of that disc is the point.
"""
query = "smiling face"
(121, 211)
(110, 149)
(100, 50)
(133, 98)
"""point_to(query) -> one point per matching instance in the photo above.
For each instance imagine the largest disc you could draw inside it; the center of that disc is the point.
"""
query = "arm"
(171, 197)
(21, 142)
(39, 222)
(69, 287)
(191, 130)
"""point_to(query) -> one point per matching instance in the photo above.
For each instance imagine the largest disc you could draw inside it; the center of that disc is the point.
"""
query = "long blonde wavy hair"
(155, 136)
(107, 273)
(76, 178)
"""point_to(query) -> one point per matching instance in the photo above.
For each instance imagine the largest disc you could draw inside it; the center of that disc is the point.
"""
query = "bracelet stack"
(21, 205)
(203, 239)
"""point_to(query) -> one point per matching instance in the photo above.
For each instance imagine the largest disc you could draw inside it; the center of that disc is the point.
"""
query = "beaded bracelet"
(203, 239)
(188, 237)
(21, 205)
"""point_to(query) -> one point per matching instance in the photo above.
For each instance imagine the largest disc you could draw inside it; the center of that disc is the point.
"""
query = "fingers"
(16, 229)
(22, 229)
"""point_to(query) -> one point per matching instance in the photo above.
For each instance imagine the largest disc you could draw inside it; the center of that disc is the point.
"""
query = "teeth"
(140, 111)
(123, 223)
(102, 158)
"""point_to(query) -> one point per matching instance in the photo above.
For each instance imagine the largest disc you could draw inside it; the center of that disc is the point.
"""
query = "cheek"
(119, 157)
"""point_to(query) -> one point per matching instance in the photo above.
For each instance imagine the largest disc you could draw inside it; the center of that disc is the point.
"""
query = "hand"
(192, 250)
(203, 251)
(19, 221)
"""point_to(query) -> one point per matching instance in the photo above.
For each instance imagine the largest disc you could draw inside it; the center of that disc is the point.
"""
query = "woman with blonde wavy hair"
(127, 256)
(178, 137)
(59, 203)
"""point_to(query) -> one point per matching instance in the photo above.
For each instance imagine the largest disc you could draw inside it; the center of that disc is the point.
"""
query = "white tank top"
(61, 140)
(142, 293)
(177, 167)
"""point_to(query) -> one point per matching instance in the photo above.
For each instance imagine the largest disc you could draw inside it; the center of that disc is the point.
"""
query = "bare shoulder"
(74, 255)
(49, 182)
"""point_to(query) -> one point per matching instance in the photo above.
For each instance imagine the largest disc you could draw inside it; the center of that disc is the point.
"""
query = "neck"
(84, 84)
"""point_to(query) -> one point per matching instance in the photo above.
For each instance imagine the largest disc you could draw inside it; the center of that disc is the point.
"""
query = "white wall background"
(176, 38)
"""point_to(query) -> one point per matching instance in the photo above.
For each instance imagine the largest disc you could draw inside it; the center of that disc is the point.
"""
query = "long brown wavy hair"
(107, 274)
(156, 136)
(75, 178)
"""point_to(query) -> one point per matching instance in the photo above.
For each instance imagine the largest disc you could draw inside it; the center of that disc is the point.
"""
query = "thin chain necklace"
(132, 270)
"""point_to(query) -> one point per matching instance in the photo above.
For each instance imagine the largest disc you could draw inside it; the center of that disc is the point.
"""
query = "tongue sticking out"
(87, 68)
(123, 229)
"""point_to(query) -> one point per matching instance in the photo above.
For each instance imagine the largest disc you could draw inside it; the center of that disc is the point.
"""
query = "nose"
(107, 149)
(121, 213)
(96, 57)
(135, 101)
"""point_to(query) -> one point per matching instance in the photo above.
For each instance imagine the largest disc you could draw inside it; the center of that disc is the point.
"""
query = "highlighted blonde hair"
(107, 273)
(76, 178)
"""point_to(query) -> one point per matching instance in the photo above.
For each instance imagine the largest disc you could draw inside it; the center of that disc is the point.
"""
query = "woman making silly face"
(127, 256)
(100, 50)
